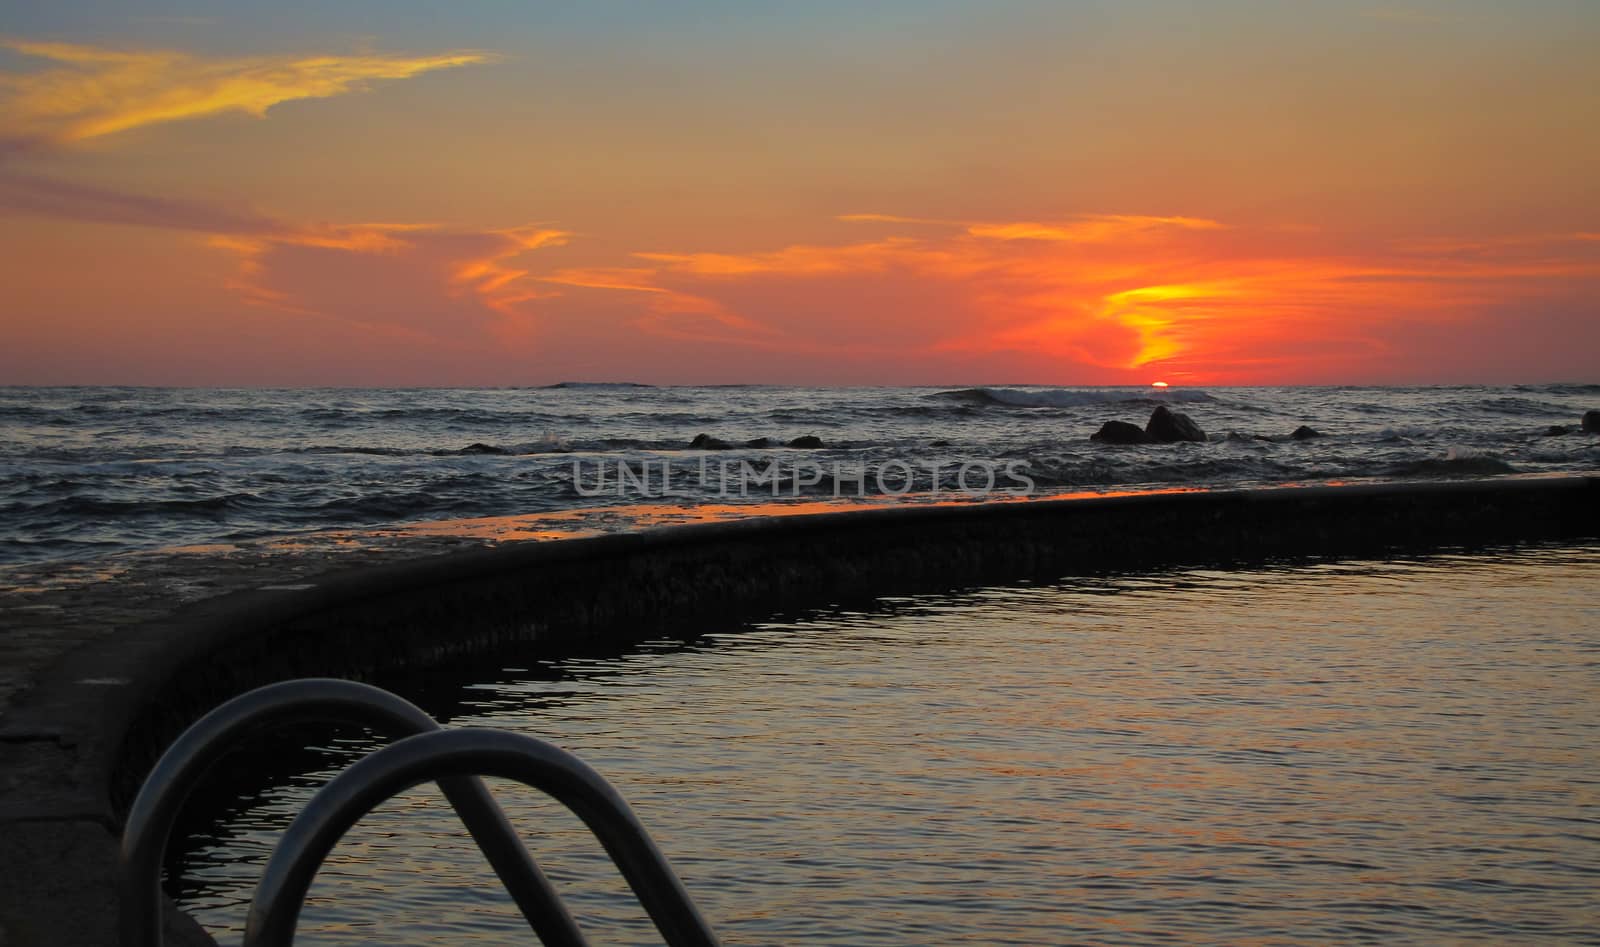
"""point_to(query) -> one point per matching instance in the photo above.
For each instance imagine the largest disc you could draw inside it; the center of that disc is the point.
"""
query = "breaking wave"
(1073, 397)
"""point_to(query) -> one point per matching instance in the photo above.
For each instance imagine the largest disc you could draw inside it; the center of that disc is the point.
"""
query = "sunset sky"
(895, 192)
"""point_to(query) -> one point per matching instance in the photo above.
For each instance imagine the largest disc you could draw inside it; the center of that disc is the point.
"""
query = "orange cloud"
(1091, 298)
(91, 92)
(1107, 293)
(1078, 229)
(497, 279)
(671, 313)
(1089, 229)
(790, 261)
(434, 281)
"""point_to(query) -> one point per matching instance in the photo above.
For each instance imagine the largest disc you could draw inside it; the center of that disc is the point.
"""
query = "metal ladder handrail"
(184, 764)
(344, 800)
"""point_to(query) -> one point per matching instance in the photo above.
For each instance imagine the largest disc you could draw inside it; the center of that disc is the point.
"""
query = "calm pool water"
(1354, 752)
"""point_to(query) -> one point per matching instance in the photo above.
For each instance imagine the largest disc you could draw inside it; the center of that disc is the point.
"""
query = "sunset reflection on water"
(1397, 751)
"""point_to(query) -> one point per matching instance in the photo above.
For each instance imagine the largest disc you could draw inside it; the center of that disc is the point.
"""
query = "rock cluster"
(1164, 427)
(1120, 432)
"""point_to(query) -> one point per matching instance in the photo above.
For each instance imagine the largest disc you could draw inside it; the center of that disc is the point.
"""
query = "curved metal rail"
(426, 757)
(155, 811)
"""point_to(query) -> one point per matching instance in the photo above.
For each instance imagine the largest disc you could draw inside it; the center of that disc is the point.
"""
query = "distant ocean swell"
(1068, 398)
(87, 470)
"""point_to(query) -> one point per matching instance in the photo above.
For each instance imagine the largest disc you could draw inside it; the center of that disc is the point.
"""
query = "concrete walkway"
(58, 832)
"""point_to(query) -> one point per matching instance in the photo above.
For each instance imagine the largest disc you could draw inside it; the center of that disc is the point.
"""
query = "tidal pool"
(1343, 752)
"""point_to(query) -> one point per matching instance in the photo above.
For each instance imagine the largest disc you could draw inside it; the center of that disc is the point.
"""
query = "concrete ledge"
(99, 717)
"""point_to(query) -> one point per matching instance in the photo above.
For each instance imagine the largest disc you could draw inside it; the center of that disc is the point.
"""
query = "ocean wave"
(90, 507)
(1457, 462)
(132, 409)
(438, 500)
(1073, 397)
(593, 385)
(25, 414)
(352, 449)
(669, 417)
(472, 417)
(473, 450)
(1516, 407)
(945, 411)
(1405, 434)
(476, 449)
(20, 548)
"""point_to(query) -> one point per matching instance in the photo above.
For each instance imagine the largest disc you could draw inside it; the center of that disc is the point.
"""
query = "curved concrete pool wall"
(119, 702)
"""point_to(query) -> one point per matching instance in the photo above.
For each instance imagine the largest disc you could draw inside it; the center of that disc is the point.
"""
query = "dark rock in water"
(1303, 433)
(759, 442)
(938, 443)
(1556, 430)
(707, 442)
(807, 440)
(1591, 422)
(483, 449)
(1167, 426)
(1120, 432)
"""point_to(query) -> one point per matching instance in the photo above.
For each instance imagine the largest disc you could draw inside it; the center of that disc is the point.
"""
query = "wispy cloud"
(890, 219)
(799, 260)
(90, 92)
(429, 278)
(1089, 229)
(33, 194)
(444, 282)
(1079, 228)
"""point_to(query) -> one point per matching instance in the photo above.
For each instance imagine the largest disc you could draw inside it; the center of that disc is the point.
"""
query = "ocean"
(91, 471)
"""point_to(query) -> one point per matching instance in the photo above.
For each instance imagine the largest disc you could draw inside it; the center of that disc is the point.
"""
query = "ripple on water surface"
(1344, 752)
